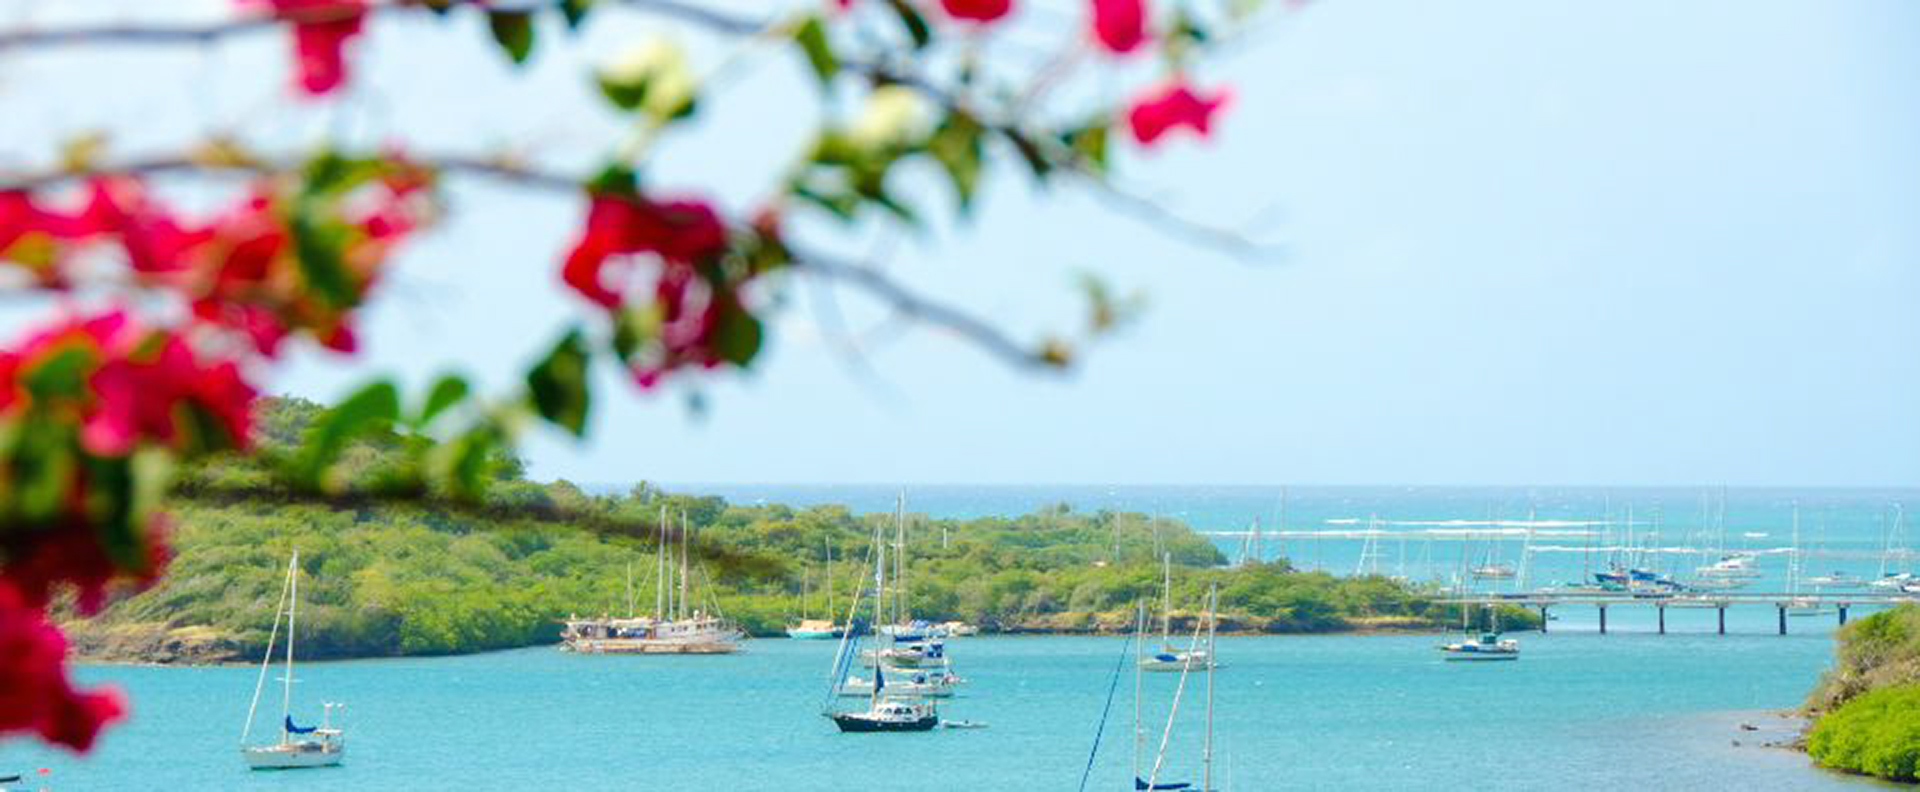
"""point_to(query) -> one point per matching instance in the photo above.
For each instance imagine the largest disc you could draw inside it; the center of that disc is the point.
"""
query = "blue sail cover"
(1141, 783)
(292, 729)
(879, 677)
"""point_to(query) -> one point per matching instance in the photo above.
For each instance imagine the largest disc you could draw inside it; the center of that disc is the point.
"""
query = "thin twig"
(144, 33)
(875, 283)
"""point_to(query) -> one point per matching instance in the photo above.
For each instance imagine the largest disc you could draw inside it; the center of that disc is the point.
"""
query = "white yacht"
(311, 746)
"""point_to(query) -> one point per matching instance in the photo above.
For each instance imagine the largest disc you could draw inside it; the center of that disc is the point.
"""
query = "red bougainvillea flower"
(321, 30)
(138, 384)
(977, 10)
(1120, 25)
(1172, 106)
(35, 694)
(679, 231)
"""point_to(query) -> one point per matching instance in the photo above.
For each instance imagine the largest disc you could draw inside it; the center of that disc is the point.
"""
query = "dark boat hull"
(850, 722)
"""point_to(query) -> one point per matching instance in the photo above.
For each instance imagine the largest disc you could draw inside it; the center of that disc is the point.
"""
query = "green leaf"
(513, 30)
(915, 24)
(1090, 143)
(318, 247)
(737, 335)
(61, 373)
(375, 406)
(558, 384)
(956, 145)
(575, 12)
(447, 391)
(812, 37)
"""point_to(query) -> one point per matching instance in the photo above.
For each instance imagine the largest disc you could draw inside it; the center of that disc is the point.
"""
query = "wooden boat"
(675, 628)
(298, 747)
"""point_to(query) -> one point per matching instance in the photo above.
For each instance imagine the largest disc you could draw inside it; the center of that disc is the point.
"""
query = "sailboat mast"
(293, 605)
(1206, 750)
(266, 659)
(683, 565)
(830, 617)
(1166, 591)
(1139, 656)
(629, 589)
(899, 555)
(660, 575)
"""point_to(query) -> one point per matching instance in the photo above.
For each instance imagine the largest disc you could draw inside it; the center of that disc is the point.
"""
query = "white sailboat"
(889, 708)
(1153, 781)
(1798, 604)
(298, 747)
(1170, 659)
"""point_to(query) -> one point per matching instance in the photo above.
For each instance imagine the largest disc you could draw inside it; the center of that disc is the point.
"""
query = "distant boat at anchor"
(298, 747)
(675, 627)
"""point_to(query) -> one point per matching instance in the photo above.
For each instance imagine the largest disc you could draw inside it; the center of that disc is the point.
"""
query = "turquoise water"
(1320, 712)
(1579, 710)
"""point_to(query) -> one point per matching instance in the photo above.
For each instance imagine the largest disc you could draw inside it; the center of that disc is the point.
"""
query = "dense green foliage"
(393, 577)
(1876, 732)
(1878, 651)
(1868, 703)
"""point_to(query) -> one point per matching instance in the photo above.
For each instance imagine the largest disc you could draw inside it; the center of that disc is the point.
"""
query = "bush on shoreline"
(1875, 733)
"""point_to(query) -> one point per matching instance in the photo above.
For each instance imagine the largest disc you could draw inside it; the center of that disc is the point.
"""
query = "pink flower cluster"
(76, 399)
(238, 270)
(691, 295)
(35, 694)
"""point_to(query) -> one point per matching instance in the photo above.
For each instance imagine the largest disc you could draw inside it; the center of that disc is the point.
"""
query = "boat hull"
(1480, 657)
(278, 758)
(652, 647)
(855, 723)
(813, 635)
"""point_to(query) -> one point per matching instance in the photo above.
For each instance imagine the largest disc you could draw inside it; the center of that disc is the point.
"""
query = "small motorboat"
(889, 715)
(1489, 646)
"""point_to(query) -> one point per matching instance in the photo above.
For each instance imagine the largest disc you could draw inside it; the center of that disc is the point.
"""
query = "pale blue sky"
(1634, 242)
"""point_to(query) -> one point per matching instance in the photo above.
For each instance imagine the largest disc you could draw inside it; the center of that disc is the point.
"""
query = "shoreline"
(116, 660)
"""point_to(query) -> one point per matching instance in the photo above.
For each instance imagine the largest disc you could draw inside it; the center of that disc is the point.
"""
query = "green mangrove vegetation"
(1867, 705)
(398, 577)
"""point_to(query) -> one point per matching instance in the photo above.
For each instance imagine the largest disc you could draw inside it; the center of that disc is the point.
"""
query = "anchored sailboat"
(1170, 659)
(888, 709)
(309, 746)
(808, 629)
(675, 627)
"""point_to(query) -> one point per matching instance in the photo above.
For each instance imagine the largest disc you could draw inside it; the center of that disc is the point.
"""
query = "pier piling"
(1662, 610)
(1543, 618)
(1783, 618)
(1603, 619)
(1723, 619)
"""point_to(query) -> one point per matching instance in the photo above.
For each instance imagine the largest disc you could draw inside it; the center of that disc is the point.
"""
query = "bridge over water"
(1783, 602)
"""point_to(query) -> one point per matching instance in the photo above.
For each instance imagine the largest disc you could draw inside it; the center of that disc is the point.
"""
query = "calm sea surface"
(1579, 710)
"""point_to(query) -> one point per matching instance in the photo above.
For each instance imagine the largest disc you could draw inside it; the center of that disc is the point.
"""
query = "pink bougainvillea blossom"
(1171, 106)
(1120, 25)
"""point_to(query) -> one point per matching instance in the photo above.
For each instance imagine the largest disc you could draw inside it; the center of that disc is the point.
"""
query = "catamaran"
(298, 747)
(675, 627)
